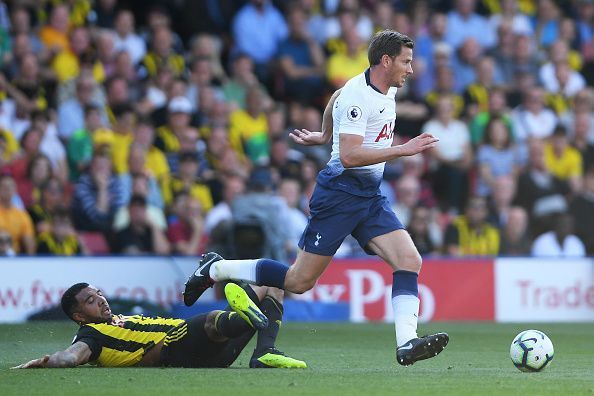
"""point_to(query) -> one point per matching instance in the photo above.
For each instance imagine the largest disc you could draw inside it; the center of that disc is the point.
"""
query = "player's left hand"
(419, 144)
(35, 363)
(307, 138)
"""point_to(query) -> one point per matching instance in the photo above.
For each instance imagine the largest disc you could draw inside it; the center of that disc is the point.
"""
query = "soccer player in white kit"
(347, 199)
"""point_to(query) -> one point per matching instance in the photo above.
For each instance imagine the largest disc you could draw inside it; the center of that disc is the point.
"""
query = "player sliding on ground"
(213, 339)
(347, 199)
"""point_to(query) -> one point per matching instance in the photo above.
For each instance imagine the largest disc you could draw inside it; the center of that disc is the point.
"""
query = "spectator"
(21, 25)
(242, 78)
(257, 30)
(582, 210)
(463, 23)
(532, 119)
(139, 184)
(38, 171)
(504, 190)
(208, 46)
(301, 60)
(6, 249)
(562, 160)
(55, 35)
(452, 155)
(471, 234)
(161, 54)
(80, 145)
(476, 95)
(187, 179)
(260, 206)
(51, 197)
(126, 39)
(137, 167)
(296, 221)
(546, 23)
(61, 237)
(15, 221)
(525, 58)
(141, 236)
(514, 234)
(30, 148)
(560, 242)
(497, 156)
(444, 86)
(497, 109)
(539, 192)
(71, 115)
(98, 195)
(418, 228)
(233, 186)
(179, 116)
(186, 234)
(248, 131)
(465, 62)
(68, 63)
(343, 66)
(581, 129)
(156, 162)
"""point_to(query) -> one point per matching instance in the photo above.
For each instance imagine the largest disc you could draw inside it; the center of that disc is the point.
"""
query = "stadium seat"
(95, 242)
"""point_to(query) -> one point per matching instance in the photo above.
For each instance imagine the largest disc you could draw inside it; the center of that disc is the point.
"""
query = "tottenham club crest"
(354, 113)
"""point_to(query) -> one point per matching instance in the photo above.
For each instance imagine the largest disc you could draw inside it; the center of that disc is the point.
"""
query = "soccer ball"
(531, 350)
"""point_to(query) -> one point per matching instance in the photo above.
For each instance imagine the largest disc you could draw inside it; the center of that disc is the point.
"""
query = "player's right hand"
(307, 138)
(419, 144)
(35, 363)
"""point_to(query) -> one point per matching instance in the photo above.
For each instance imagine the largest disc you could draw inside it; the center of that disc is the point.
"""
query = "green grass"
(344, 359)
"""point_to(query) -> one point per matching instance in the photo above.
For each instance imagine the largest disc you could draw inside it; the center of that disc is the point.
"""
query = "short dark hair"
(387, 42)
(69, 301)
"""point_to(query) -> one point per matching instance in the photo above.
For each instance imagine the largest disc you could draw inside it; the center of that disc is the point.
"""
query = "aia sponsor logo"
(387, 132)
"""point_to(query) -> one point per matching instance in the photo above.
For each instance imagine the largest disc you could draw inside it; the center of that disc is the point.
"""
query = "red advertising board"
(448, 289)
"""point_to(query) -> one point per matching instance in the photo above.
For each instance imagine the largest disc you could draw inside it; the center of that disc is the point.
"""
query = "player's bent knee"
(300, 286)
(411, 261)
(277, 294)
(210, 327)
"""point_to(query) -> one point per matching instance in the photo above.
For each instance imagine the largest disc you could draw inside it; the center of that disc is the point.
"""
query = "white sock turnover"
(406, 316)
(240, 270)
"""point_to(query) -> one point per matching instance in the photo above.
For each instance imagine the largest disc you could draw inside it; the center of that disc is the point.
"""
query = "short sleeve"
(352, 114)
(88, 335)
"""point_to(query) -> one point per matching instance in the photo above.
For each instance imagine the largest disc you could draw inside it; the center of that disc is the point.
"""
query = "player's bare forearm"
(77, 354)
(353, 154)
(312, 138)
(327, 122)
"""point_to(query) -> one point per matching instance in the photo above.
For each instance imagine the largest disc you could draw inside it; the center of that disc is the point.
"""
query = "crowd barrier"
(357, 290)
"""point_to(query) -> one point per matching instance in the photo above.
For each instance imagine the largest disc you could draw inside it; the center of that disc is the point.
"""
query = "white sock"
(406, 316)
(239, 270)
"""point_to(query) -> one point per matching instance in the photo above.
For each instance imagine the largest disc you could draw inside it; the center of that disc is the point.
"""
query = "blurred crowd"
(158, 127)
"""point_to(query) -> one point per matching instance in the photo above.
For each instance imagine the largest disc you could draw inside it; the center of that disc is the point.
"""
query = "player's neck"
(377, 78)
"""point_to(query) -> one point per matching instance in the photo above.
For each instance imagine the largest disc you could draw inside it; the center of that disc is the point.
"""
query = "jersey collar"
(368, 81)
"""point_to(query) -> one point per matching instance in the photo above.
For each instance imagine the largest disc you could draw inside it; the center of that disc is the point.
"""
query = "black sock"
(230, 324)
(274, 311)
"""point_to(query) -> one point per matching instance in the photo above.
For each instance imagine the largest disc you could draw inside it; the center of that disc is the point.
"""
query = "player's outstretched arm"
(353, 154)
(77, 354)
(310, 138)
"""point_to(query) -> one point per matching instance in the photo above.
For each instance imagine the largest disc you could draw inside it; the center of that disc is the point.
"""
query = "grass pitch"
(344, 359)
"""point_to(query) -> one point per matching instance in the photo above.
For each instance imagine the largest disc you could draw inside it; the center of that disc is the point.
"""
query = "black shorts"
(188, 346)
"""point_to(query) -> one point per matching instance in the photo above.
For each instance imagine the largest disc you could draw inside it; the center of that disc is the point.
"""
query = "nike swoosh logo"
(382, 110)
(409, 346)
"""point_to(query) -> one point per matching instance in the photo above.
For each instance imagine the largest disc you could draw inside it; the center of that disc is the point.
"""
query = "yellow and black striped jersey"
(125, 340)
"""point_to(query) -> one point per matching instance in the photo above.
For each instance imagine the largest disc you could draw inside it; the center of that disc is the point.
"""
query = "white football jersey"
(360, 109)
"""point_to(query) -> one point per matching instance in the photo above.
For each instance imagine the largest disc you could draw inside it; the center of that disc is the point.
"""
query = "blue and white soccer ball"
(531, 351)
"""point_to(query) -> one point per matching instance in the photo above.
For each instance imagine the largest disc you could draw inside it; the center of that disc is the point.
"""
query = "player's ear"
(78, 318)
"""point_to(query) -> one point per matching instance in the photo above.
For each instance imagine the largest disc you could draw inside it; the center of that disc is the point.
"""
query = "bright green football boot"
(245, 307)
(273, 358)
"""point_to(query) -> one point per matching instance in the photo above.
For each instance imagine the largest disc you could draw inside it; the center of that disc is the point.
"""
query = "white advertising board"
(28, 285)
(544, 290)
